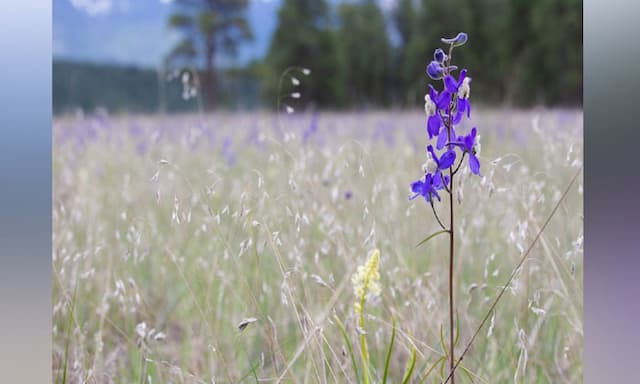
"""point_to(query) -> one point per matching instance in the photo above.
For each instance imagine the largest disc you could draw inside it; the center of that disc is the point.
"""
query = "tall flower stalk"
(445, 109)
(366, 286)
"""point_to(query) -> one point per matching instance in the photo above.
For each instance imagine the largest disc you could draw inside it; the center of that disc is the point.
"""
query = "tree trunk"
(209, 86)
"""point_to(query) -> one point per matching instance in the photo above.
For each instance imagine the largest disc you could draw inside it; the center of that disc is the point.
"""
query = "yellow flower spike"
(366, 280)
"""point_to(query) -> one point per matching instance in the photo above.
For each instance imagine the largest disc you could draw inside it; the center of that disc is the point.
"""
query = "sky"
(134, 32)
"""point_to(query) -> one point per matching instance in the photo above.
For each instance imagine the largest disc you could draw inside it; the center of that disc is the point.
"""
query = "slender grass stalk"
(347, 341)
(363, 344)
(143, 367)
(68, 341)
(388, 359)
(426, 374)
(410, 366)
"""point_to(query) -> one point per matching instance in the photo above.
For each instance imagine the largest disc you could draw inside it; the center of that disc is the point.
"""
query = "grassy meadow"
(169, 232)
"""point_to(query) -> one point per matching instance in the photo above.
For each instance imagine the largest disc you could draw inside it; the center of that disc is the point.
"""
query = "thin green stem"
(279, 96)
(451, 254)
(363, 344)
(437, 217)
(460, 163)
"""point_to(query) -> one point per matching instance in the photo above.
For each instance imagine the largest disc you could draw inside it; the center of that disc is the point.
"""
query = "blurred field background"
(176, 218)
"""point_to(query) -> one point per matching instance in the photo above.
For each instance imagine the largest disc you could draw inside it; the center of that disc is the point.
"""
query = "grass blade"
(442, 342)
(68, 341)
(431, 237)
(468, 373)
(424, 377)
(412, 363)
(388, 360)
(347, 341)
(457, 336)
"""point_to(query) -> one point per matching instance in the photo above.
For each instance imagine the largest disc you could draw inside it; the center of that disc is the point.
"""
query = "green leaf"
(388, 360)
(347, 341)
(424, 377)
(467, 372)
(457, 335)
(442, 342)
(412, 363)
(432, 236)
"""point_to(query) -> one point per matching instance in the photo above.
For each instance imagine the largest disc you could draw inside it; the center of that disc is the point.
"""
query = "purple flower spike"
(444, 110)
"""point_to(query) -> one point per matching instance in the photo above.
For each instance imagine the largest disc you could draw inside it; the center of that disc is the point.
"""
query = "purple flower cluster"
(445, 109)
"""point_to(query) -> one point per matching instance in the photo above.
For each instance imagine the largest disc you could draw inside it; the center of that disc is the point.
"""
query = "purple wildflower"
(435, 70)
(439, 163)
(433, 103)
(443, 137)
(428, 188)
(469, 144)
(462, 89)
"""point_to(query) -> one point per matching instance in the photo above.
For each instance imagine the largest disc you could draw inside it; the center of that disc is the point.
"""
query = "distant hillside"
(129, 89)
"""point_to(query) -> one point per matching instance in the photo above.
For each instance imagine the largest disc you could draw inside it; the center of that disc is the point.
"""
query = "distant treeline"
(90, 86)
(520, 52)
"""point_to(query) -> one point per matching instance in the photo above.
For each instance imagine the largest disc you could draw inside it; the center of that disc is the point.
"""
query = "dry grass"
(192, 225)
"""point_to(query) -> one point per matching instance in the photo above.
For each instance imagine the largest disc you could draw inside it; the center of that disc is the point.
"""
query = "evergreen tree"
(365, 53)
(210, 27)
(303, 38)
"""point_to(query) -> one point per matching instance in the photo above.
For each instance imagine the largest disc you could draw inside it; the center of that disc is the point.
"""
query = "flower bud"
(430, 166)
(465, 90)
(439, 55)
(429, 106)
(435, 70)
(457, 41)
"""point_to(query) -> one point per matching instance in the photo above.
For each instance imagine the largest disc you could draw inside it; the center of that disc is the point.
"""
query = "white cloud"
(58, 47)
(92, 7)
